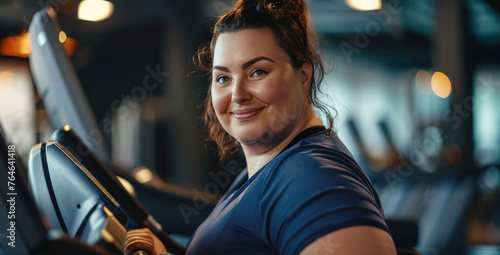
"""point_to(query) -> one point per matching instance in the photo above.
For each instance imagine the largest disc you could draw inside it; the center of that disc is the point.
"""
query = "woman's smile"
(246, 113)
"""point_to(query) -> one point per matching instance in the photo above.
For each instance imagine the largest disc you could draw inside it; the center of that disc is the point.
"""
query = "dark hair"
(290, 23)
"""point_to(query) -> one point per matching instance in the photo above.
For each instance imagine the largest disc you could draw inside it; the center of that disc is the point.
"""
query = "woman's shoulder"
(322, 148)
(314, 188)
(326, 140)
(318, 158)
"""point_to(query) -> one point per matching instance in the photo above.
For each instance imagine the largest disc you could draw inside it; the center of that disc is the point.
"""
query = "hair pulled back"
(289, 20)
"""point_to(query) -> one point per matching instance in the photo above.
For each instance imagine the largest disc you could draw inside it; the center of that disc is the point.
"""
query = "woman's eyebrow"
(252, 61)
(244, 65)
(225, 69)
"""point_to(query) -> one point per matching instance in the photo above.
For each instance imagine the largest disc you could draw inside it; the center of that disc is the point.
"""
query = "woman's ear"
(306, 73)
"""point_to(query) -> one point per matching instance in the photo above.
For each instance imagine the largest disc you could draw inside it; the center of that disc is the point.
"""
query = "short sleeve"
(312, 193)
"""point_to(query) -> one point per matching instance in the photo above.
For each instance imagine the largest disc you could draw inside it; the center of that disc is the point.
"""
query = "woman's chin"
(250, 139)
(256, 138)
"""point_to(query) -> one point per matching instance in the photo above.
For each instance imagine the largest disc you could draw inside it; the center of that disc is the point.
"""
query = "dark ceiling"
(408, 31)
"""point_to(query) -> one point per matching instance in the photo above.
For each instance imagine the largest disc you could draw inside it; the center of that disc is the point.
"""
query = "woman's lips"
(246, 114)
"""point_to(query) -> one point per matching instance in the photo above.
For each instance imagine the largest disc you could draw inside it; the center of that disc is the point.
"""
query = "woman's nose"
(240, 93)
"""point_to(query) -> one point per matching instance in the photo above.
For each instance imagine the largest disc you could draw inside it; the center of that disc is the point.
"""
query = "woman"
(302, 192)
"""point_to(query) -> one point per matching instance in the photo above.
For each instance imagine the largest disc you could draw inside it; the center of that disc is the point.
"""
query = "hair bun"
(275, 4)
(286, 7)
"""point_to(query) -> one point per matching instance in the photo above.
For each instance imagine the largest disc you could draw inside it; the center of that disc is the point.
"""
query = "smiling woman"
(258, 96)
(302, 191)
(285, 24)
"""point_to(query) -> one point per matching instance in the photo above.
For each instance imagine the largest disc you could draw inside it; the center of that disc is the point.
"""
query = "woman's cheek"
(272, 91)
(220, 100)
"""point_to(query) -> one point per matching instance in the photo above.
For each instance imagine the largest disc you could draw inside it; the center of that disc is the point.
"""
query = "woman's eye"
(222, 79)
(259, 72)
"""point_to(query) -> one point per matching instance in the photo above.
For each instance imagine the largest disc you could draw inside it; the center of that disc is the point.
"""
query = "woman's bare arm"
(357, 240)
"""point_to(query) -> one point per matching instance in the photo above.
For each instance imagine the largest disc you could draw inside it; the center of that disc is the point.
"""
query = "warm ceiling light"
(364, 5)
(16, 46)
(24, 46)
(441, 84)
(19, 45)
(62, 37)
(95, 10)
(423, 82)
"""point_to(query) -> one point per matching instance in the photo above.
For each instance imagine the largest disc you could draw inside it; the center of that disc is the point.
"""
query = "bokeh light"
(423, 82)
(441, 84)
(95, 10)
(364, 5)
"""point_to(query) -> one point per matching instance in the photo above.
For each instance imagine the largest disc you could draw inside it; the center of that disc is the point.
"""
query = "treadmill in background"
(66, 104)
(31, 233)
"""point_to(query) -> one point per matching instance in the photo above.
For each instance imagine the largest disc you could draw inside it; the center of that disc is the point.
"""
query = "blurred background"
(415, 83)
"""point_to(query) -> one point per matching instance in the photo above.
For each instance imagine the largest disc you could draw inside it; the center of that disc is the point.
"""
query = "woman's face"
(257, 94)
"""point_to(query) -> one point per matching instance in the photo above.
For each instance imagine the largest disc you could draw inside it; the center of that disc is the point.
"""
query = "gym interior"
(413, 84)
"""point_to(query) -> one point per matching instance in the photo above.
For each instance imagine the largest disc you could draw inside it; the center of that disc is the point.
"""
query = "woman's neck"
(258, 155)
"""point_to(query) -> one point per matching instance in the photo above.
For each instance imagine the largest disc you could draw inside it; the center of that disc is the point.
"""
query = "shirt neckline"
(304, 134)
(243, 177)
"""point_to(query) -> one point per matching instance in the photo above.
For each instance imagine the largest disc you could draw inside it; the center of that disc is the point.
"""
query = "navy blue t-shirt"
(309, 190)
